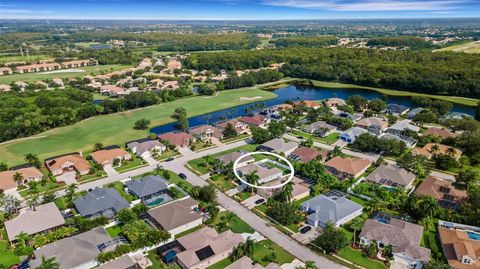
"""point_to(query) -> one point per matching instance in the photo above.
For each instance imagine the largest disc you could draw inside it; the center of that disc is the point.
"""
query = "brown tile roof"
(233, 122)
(176, 138)
(6, 177)
(106, 155)
(244, 263)
(202, 129)
(351, 166)
(442, 149)
(367, 122)
(254, 120)
(455, 244)
(78, 161)
(392, 174)
(305, 154)
(111, 88)
(432, 187)
(175, 214)
(308, 103)
(443, 133)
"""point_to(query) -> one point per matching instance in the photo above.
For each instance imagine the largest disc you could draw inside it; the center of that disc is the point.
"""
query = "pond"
(296, 92)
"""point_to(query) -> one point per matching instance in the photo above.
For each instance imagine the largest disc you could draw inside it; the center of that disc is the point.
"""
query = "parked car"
(259, 201)
(182, 175)
(170, 159)
(305, 229)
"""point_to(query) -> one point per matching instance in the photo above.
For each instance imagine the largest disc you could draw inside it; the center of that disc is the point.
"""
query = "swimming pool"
(474, 236)
(156, 202)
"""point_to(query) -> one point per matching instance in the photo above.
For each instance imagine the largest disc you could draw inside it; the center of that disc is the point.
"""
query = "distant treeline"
(305, 41)
(416, 71)
(401, 41)
(252, 78)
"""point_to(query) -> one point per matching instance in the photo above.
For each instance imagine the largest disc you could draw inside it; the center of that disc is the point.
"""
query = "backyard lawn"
(117, 128)
(357, 257)
(114, 231)
(329, 139)
(119, 187)
(7, 257)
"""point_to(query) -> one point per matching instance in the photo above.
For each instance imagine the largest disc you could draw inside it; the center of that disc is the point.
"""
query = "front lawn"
(234, 139)
(167, 154)
(7, 257)
(114, 231)
(222, 182)
(357, 257)
(235, 224)
(329, 139)
(265, 248)
(199, 146)
(132, 164)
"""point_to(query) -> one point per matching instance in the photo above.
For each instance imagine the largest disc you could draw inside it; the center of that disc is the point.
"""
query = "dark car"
(305, 229)
(182, 175)
(259, 201)
(300, 137)
(170, 159)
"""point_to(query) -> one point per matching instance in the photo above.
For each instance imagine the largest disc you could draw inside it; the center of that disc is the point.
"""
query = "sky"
(236, 9)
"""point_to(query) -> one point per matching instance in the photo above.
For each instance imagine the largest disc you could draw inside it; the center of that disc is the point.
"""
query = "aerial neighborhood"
(134, 154)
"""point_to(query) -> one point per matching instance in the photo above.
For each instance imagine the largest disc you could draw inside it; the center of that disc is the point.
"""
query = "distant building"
(440, 132)
(335, 102)
(455, 115)
(301, 189)
(412, 113)
(246, 263)
(233, 156)
(257, 120)
(305, 154)
(400, 126)
(239, 126)
(38, 67)
(79, 63)
(308, 103)
(432, 149)
(5, 71)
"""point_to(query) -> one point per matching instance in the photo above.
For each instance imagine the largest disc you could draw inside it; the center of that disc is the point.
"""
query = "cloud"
(370, 5)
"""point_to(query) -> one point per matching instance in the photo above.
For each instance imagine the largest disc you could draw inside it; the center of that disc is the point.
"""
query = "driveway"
(250, 202)
(150, 160)
(308, 237)
(68, 177)
(110, 170)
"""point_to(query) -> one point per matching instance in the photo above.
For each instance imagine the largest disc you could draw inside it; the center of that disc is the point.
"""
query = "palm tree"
(356, 225)
(71, 191)
(32, 159)
(23, 238)
(451, 151)
(434, 149)
(427, 205)
(18, 178)
(252, 178)
(50, 263)
(310, 265)
(249, 245)
(288, 190)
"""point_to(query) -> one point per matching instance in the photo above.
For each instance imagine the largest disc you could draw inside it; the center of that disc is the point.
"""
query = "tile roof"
(142, 147)
(233, 156)
(176, 138)
(438, 189)
(78, 161)
(6, 177)
(175, 214)
(147, 185)
(373, 121)
(442, 149)
(395, 174)
(106, 155)
(351, 166)
(305, 154)
(262, 172)
(441, 132)
(279, 145)
(457, 243)
(256, 120)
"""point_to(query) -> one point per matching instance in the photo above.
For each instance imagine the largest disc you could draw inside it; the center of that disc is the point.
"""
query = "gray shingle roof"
(99, 200)
(392, 173)
(147, 185)
(329, 209)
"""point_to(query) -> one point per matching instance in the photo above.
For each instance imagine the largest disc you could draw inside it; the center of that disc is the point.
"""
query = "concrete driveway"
(150, 160)
(308, 237)
(110, 170)
(250, 202)
(68, 177)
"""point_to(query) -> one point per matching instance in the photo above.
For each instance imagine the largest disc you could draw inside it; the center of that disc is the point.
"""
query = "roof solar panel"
(204, 253)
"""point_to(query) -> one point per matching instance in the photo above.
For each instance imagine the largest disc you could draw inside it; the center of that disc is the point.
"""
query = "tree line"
(305, 41)
(413, 42)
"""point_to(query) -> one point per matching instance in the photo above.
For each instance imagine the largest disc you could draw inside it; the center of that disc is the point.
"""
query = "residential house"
(79, 63)
(239, 126)
(257, 120)
(265, 174)
(353, 117)
(29, 174)
(400, 126)
(38, 67)
(66, 163)
(305, 154)
(246, 263)
(391, 176)
(206, 247)
(455, 115)
(5, 71)
(347, 167)
(396, 110)
(440, 132)
(178, 139)
(432, 149)
(43, 218)
(79, 251)
(443, 191)
(301, 189)
(149, 189)
(206, 132)
(278, 145)
(404, 238)
(373, 124)
(174, 64)
(5, 88)
(320, 128)
(124, 262)
(108, 156)
(100, 202)
(332, 207)
(460, 244)
(177, 216)
(233, 156)
(111, 90)
(307, 103)
(351, 134)
(409, 142)
(335, 102)
(271, 114)
(145, 148)
(413, 112)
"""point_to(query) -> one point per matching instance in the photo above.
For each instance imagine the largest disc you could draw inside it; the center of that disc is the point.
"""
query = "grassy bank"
(469, 47)
(118, 128)
(32, 77)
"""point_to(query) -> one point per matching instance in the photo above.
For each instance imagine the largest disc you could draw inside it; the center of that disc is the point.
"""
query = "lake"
(296, 92)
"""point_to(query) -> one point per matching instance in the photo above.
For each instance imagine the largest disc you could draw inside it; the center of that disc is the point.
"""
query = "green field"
(470, 47)
(19, 58)
(31, 77)
(117, 128)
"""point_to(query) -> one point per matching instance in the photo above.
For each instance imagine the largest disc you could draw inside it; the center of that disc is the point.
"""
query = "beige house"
(70, 162)
(5, 71)
(391, 176)
(246, 263)
(460, 248)
(347, 167)
(79, 63)
(107, 156)
(38, 67)
(28, 174)
(206, 247)
(300, 189)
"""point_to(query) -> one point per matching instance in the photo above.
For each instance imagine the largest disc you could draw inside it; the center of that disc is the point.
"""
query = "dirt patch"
(244, 98)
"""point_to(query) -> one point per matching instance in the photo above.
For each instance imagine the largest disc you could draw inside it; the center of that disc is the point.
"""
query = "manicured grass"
(132, 164)
(114, 230)
(7, 257)
(32, 77)
(157, 263)
(199, 146)
(19, 58)
(243, 195)
(221, 264)
(50, 185)
(266, 247)
(234, 139)
(119, 187)
(117, 128)
(329, 139)
(167, 154)
(189, 231)
(357, 257)
(222, 182)
(236, 224)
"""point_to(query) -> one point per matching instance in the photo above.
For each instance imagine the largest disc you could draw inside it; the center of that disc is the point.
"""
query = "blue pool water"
(156, 202)
(295, 92)
(473, 236)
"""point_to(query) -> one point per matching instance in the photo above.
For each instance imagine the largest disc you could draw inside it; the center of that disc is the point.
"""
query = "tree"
(97, 146)
(260, 135)
(276, 129)
(126, 215)
(357, 101)
(33, 160)
(287, 191)
(207, 194)
(434, 264)
(307, 143)
(23, 239)
(467, 178)
(284, 212)
(377, 105)
(70, 193)
(252, 178)
(18, 178)
(426, 205)
(49, 263)
(356, 224)
(180, 114)
(3, 167)
(229, 131)
(141, 124)
(331, 240)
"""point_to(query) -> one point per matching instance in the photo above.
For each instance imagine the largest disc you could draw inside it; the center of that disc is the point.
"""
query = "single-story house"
(347, 167)
(44, 218)
(373, 124)
(400, 126)
(28, 174)
(432, 149)
(246, 263)
(107, 156)
(440, 132)
(391, 176)
(206, 247)
(307, 103)
(144, 149)
(335, 102)
(70, 162)
(233, 156)
(461, 246)
(239, 126)
(100, 202)
(149, 189)
(443, 191)
(455, 115)
(271, 114)
(124, 262)
(111, 90)
(354, 117)
(301, 189)
(205, 132)
(257, 120)
(396, 110)
(332, 207)
(178, 139)
(177, 216)
(351, 134)
(305, 154)
(413, 112)
(79, 251)
(278, 145)
(404, 237)
(265, 174)
(320, 128)
(409, 142)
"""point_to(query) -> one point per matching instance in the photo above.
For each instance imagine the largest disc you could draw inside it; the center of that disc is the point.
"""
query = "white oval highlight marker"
(290, 165)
